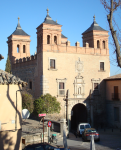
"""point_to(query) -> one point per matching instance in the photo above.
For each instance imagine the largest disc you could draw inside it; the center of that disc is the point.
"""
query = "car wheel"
(84, 140)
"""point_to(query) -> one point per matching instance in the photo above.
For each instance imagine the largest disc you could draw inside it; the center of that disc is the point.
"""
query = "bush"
(46, 104)
(27, 101)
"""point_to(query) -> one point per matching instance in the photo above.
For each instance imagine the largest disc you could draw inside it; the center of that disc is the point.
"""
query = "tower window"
(103, 45)
(23, 48)
(52, 64)
(17, 48)
(98, 44)
(30, 85)
(102, 66)
(48, 39)
(55, 39)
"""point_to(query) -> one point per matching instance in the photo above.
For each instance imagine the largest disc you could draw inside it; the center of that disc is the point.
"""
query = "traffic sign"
(49, 123)
(41, 115)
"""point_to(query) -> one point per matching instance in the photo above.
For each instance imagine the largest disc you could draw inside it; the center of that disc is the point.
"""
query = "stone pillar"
(87, 45)
(68, 43)
(62, 126)
(91, 103)
(100, 44)
(77, 44)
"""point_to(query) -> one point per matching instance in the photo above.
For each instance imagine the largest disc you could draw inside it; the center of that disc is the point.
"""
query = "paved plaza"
(108, 140)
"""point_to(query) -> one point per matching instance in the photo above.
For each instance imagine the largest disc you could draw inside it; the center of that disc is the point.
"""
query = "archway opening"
(78, 115)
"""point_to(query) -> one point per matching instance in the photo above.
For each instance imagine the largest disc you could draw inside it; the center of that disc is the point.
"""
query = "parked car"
(43, 146)
(88, 132)
(81, 128)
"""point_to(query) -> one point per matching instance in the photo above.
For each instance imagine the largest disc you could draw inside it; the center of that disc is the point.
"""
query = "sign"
(49, 123)
(41, 115)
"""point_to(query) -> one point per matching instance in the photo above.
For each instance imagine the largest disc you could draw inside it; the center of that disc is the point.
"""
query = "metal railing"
(61, 92)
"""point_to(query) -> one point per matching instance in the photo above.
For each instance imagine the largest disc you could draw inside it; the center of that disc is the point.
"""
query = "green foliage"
(27, 101)
(47, 104)
(8, 65)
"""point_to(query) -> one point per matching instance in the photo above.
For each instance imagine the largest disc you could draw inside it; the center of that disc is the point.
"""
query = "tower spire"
(94, 17)
(18, 26)
(47, 11)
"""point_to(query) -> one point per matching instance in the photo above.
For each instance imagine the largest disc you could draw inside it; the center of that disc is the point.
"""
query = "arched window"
(48, 39)
(23, 48)
(55, 39)
(79, 90)
(98, 44)
(17, 48)
(103, 45)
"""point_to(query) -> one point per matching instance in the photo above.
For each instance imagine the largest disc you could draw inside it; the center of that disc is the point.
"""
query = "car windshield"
(87, 126)
(81, 126)
(91, 130)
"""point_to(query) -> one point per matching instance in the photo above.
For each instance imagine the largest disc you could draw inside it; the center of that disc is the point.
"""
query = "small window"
(116, 113)
(98, 44)
(103, 44)
(102, 66)
(48, 39)
(30, 85)
(52, 64)
(95, 86)
(61, 88)
(23, 48)
(55, 39)
(17, 48)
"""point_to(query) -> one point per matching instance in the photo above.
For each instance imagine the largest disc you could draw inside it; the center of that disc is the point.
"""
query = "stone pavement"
(109, 140)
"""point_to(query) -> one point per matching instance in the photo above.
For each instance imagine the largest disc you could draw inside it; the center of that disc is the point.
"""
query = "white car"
(81, 127)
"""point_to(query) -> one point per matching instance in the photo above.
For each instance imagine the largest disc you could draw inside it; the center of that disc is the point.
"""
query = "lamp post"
(91, 107)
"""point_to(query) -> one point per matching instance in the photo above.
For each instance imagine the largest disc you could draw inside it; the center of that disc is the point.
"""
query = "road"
(108, 141)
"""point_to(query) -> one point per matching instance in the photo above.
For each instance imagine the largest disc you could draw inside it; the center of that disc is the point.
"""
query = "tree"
(27, 101)
(111, 6)
(47, 104)
(8, 65)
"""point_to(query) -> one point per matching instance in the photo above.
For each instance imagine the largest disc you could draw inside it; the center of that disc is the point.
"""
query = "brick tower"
(18, 44)
(95, 36)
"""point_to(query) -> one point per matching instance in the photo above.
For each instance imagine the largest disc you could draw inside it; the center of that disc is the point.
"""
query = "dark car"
(43, 146)
(40, 146)
(88, 132)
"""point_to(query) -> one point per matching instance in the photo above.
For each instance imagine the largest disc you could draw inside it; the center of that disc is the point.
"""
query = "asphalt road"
(108, 141)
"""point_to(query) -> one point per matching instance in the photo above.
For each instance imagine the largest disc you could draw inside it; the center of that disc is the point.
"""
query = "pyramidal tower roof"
(19, 30)
(94, 26)
(49, 20)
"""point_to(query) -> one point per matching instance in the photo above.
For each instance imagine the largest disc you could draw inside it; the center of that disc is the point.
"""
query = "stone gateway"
(73, 74)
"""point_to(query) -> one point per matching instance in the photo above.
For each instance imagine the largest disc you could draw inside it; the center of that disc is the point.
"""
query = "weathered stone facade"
(58, 67)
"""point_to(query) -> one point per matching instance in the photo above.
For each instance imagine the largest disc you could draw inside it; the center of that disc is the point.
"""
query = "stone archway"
(79, 114)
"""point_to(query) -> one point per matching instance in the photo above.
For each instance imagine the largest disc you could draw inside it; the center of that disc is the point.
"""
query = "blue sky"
(75, 16)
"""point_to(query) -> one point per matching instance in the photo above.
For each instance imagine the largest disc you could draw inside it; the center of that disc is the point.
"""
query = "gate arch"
(79, 114)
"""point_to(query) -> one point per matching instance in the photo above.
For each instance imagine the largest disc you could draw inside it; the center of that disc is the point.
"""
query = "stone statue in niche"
(79, 66)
